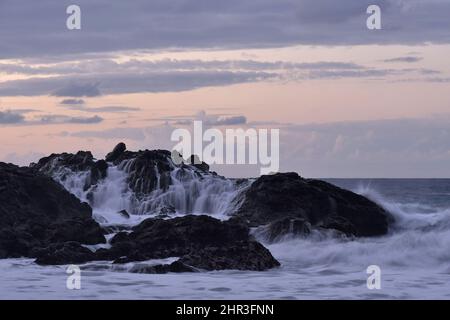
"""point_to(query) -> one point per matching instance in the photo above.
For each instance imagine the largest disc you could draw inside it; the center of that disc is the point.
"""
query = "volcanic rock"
(36, 211)
(287, 195)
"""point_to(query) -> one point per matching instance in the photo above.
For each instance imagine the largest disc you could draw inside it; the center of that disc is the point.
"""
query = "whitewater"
(414, 257)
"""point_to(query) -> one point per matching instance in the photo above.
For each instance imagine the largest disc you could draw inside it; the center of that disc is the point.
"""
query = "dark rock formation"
(143, 169)
(239, 255)
(36, 212)
(81, 161)
(195, 161)
(287, 195)
(63, 253)
(124, 213)
(202, 242)
(116, 153)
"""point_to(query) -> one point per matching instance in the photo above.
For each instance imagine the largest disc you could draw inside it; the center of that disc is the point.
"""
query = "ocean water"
(414, 257)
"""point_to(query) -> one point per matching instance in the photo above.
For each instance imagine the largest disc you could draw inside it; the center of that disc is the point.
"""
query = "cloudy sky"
(349, 102)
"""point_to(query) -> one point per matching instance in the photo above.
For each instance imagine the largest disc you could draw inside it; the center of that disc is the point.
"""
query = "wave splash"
(419, 239)
(190, 192)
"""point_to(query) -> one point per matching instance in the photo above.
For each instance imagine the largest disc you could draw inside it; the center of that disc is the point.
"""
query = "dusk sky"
(349, 101)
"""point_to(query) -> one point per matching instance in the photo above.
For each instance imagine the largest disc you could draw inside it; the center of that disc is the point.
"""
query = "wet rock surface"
(201, 241)
(82, 161)
(287, 195)
(36, 212)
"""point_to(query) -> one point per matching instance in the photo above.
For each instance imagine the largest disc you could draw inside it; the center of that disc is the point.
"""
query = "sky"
(348, 101)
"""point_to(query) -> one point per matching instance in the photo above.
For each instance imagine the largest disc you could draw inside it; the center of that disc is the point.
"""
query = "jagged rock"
(240, 255)
(287, 195)
(195, 161)
(116, 153)
(63, 253)
(35, 212)
(124, 213)
(57, 165)
(144, 168)
(202, 242)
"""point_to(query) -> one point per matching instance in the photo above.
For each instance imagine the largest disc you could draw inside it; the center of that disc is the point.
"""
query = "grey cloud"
(9, 117)
(72, 102)
(112, 25)
(79, 104)
(209, 119)
(137, 76)
(439, 80)
(78, 90)
(17, 118)
(165, 65)
(368, 73)
(110, 109)
(59, 119)
(406, 59)
(120, 83)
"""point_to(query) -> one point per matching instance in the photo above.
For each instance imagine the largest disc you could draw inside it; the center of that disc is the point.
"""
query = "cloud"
(380, 148)
(139, 66)
(140, 76)
(18, 119)
(113, 25)
(59, 119)
(72, 102)
(78, 90)
(209, 119)
(122, 83)
(406, 59)
(111, 109)
(9, 117)
(79, 104)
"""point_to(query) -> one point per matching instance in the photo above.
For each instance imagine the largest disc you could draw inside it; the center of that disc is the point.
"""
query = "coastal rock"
(63, 164)
(124, 213)
(116, 153)
(63, 253)
(195, 161)
(287, 195)
(147, 170)
(240, 255)
(201, 242)
(35, 212)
